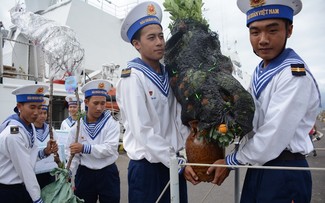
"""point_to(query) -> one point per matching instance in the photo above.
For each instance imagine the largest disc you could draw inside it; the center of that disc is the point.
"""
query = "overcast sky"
(308, 38)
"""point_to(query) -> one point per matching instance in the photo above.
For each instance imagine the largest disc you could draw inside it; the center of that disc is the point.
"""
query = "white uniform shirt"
(41, 141)
(151, 120)
(285, 112)
(18, 158)
(104, 146)
(67, 124)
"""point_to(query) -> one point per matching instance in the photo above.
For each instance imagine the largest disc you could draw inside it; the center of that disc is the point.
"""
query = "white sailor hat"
(30, 93)
(143, 14)
(72, 100)
(98, 87)
(266, 9)
(45, 103)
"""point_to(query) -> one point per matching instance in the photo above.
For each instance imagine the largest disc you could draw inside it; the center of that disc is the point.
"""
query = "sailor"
(96, 151)
(18, 149)
(287, 101)
(42, 137)
(149, 110)
(73, 113)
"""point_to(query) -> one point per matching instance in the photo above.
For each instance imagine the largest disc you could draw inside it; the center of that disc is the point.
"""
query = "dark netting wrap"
(202, 81)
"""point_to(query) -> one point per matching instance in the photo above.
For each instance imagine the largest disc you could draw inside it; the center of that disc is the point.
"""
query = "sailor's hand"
(221, 173)
(190, 175)
(76, 148)
(51, 147)
(181, 160)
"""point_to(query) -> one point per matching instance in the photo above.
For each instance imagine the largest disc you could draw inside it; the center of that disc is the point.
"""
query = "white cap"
(45, 103)
(72, 100)
(30, 93)
(266, 9)
(143, 14)
(96, 88)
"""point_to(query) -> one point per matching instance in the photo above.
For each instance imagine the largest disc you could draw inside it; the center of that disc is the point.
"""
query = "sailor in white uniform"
(96, 151)
(42, 137)
(73, 110)
(149, 110)
(286, 100)
(18, 149)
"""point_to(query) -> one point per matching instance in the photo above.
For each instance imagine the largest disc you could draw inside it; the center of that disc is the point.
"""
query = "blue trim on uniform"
(86, 148)
(95, 92)
(30, 98)
(70, 121)
(269, 11)
(137, 25)
(41, 154)
(160, 80)
(94, 130)
(231, 160)
(43, 132)
(27, 128)
(263, 75)
(73, 103)
(39, 200)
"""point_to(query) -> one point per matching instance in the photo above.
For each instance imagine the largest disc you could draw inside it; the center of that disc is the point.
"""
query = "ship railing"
(12, 72)
(174, 180)
(119, 11)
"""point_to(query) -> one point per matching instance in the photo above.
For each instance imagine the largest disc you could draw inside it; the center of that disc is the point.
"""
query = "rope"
(206, 195)
(258, 167)
(162, 193)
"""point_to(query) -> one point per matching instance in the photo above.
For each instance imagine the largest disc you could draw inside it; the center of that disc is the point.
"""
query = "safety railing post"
(237, 184)
(174, 180)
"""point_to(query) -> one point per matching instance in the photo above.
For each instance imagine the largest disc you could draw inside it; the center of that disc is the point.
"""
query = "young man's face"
(42, 116)
(29, 111)
(96, 106)
(268, 37)
(152, 43)
(73, 110)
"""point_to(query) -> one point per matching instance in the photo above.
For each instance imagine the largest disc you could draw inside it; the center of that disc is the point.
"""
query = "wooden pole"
(56, 155)
(78, 126)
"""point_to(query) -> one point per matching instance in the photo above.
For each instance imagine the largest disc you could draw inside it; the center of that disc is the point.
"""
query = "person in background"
(42, 137)
(18, 148)
(149, 110)
(96, 151)
(73, 113)
(313, 137)
(287, 101)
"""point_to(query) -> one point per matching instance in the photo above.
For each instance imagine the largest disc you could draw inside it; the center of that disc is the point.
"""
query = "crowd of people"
(286, 100)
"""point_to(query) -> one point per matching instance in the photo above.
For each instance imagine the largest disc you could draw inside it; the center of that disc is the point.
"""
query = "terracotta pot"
(198, 150)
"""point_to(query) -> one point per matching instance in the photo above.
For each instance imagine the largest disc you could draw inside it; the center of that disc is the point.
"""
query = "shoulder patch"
(126, 73)
(14, 129)
(298, 69)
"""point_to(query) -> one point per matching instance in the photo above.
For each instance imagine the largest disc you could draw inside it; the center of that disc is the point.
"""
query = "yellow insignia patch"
(126, 73)
(298, 69)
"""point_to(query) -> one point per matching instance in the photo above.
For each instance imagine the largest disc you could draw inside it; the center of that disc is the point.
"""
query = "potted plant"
(214, 104)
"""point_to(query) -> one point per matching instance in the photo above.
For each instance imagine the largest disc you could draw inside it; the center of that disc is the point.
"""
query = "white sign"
(48, 164)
